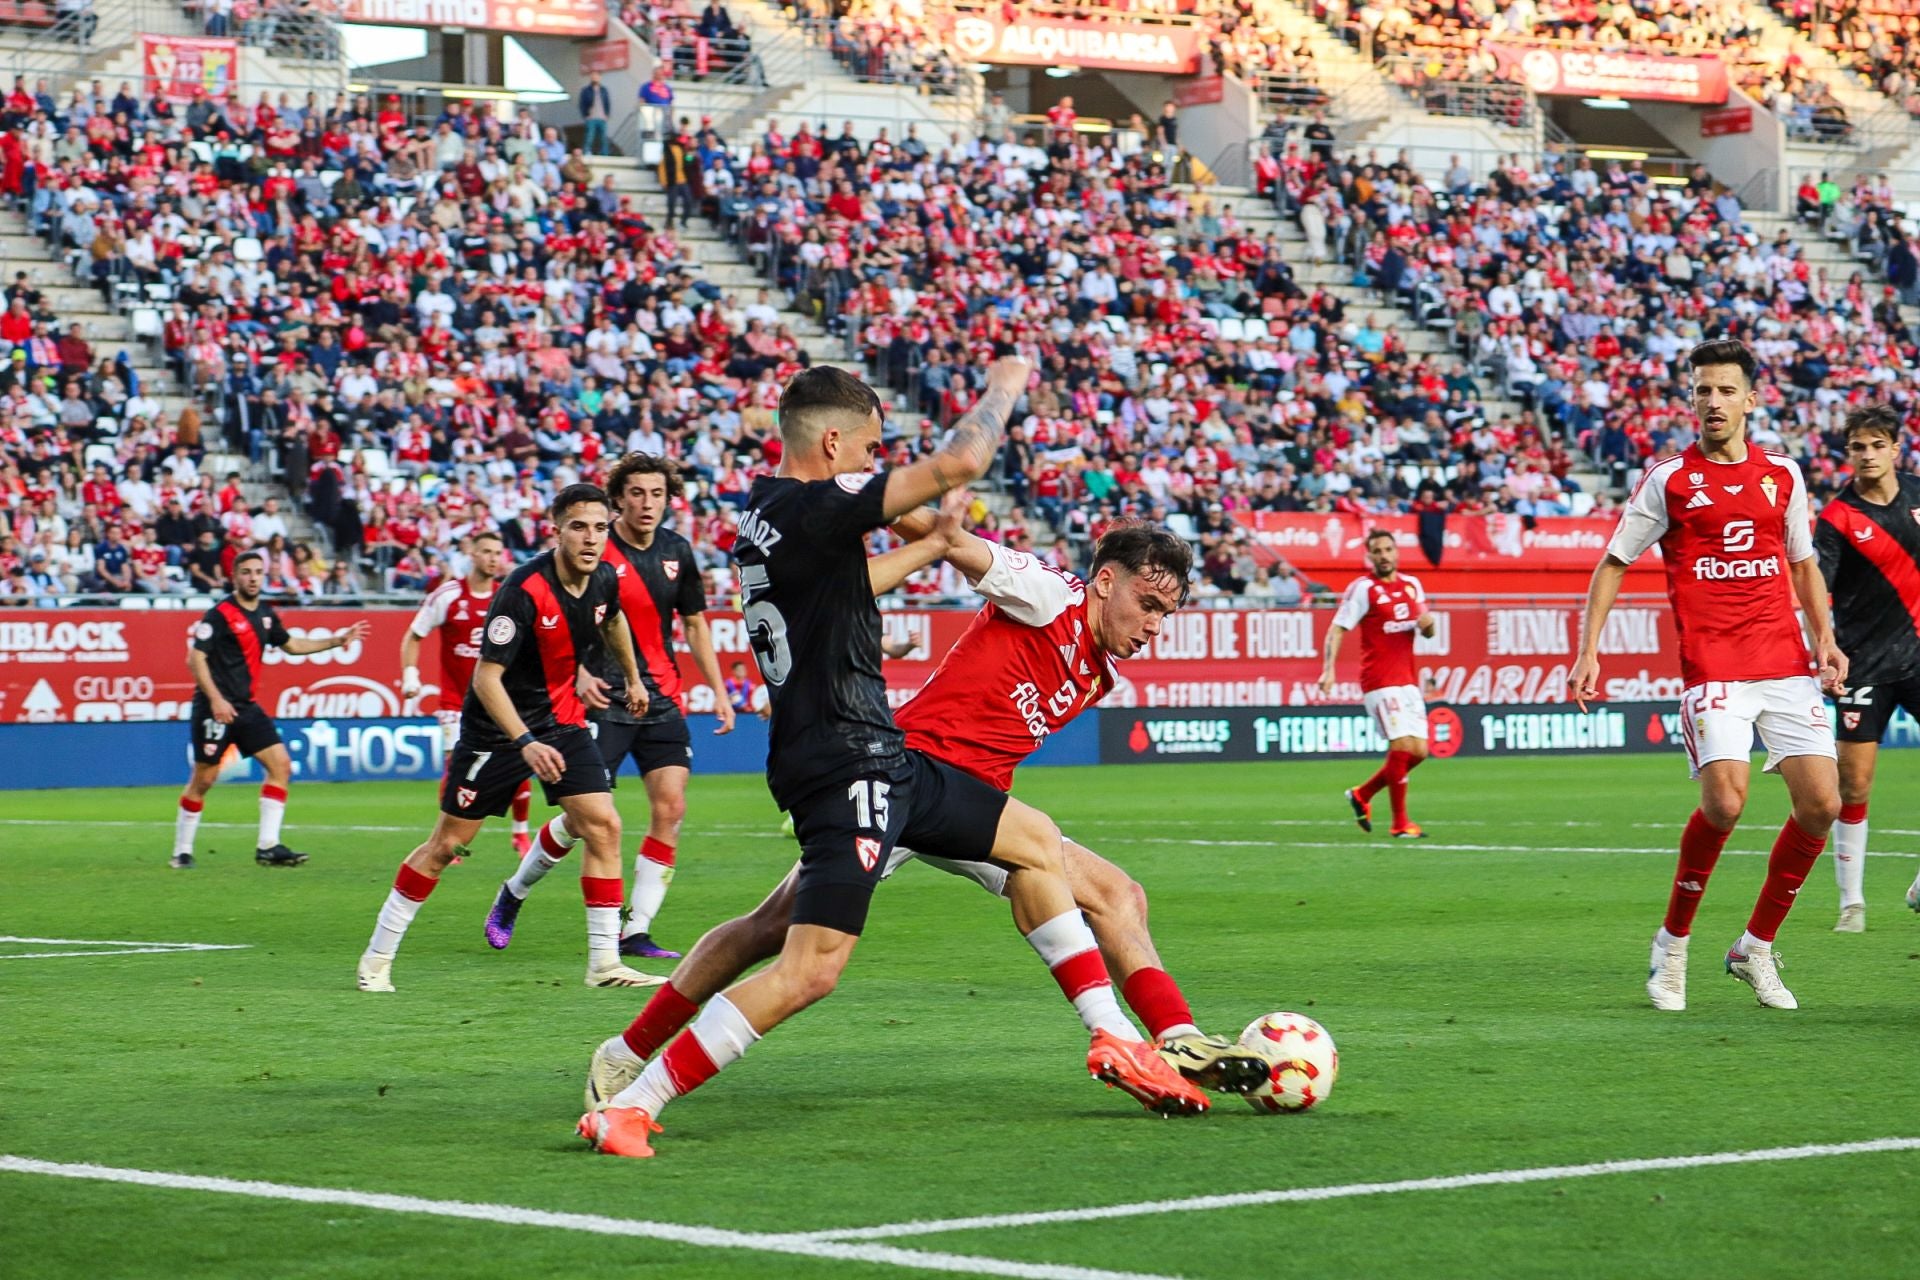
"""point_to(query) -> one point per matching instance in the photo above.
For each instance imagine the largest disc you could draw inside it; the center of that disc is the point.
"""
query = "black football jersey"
(1870, 557)
(233, 639)
(540, 633)
(655, 584)
(815, 630)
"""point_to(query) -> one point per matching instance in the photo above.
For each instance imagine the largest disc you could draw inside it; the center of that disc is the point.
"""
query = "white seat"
(135, 602)
(1115, 324)
(98, 453)
(1255, 329)
(146, 322)
(1233, 330)
(247, 249)
(1580, 501)
(377, 462)
(1182, 524)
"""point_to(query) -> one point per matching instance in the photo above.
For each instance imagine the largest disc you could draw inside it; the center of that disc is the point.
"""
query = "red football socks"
(1794, 853)
(1700, 846)
(666, 1013)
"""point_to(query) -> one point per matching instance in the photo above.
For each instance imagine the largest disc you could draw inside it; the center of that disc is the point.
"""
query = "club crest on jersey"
(671, 568)
(868, 851)
(466, 796)
(1769, 486)
(599, 614)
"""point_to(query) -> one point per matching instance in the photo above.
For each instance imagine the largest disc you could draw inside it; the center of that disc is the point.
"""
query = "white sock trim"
(1062, 938)
(1850, 862)
(723, 1031)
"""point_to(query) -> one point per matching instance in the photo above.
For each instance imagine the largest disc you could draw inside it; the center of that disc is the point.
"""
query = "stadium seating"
(420, 326)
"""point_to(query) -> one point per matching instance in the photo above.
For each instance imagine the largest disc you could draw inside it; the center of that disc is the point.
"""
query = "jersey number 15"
(766, 629)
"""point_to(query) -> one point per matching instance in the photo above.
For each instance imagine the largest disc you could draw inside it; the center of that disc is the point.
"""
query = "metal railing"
(1510, 106)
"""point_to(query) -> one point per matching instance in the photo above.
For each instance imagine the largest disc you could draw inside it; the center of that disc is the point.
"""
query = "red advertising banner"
(1334, 542)
(1036, 40)
(1199, 91)
(1592, 73)
(181, 67)
(610, 55)
(107, 665)
(1726, 121)
(519, 17)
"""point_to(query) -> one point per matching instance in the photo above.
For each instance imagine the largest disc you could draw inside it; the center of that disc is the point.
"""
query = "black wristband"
(522, 742)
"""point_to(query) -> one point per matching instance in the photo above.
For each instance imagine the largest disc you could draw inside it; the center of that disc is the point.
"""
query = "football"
(1301, 1062)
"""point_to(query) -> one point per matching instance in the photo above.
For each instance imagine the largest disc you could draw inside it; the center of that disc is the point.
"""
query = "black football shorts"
(1864, 712)
(848, 830)
(481, 783)
(252, 731)
(656, 744)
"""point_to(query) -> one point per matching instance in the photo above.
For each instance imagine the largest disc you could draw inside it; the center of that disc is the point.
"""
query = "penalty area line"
(597, 1224)
(112, 947)
(1294, 1195)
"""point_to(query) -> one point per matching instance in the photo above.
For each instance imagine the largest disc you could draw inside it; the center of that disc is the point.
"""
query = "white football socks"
(273, 811)
(185, 823)
(554, 843)
(650, 881)
(722, 1032)
(1850, 861)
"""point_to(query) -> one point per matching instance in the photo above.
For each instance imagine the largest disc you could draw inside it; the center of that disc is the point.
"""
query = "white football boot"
(1759, 969)
(376, 973)
(1667, 975)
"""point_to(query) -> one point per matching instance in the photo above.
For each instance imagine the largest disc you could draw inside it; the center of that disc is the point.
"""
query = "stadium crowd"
(1876, 38)
(1439, 50)
(464, 318)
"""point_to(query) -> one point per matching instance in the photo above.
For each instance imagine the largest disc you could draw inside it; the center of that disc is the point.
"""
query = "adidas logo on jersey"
(1699, 499)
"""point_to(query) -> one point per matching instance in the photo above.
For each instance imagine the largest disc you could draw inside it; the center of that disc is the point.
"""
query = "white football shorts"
(1398, 710)
(1717, 720)
(987, 875)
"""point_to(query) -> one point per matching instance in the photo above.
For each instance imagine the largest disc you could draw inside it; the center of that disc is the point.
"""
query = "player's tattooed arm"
(970, 446)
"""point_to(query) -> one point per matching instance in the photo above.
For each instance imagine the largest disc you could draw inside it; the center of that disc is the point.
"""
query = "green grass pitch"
(1484, 988)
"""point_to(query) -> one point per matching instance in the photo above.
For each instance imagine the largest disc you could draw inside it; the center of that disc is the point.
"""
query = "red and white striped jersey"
(1025, 666)
(1728, 531)
(1385, 611)
(457, 614)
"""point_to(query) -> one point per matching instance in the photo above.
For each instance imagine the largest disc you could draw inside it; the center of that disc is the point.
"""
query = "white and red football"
(1301, 1062)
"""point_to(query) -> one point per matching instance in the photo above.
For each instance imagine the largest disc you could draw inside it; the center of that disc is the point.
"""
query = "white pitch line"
(769, 832)
(513, 1215)
(1495, 1178)
(112, 947)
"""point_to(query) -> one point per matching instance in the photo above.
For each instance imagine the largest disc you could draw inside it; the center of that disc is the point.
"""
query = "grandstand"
(405, 309)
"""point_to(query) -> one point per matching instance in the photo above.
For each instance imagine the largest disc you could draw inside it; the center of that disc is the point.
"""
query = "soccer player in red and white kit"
(1039, 653)
(1387, 607)
(456, 609)
(1868, 543)
(225, 660)
(1735, 529)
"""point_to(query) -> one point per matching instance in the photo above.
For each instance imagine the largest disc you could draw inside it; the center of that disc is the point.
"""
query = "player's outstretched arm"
(1583, 682)
(320, 644)
(1810, 585)
(619, 640)
(887, 571)
(968, 450)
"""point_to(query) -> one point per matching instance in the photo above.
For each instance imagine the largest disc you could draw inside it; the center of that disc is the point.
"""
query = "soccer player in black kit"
(228, 642)
(837, 762)
(1868, 542)
(523, 716)
(658, 579)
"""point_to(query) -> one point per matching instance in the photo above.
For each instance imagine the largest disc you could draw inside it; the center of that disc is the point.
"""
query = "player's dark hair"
(486, 535)
(1139, 547)
(574, 495)
(245, 556)
(813, 396)
(1875, 419)
(1381, 533)
(1725, 351)
(644, 464)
